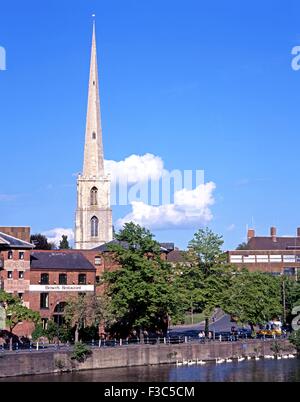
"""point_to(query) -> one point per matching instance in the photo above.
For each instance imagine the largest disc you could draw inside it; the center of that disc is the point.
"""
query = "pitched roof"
(176, 256)
(64, 260)
(266, 243)
(12, 242)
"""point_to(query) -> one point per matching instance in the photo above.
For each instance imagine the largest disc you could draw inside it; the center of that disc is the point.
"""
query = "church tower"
(93, 225)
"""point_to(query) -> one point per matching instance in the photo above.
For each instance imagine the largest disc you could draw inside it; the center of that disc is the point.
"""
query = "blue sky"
(203, 85)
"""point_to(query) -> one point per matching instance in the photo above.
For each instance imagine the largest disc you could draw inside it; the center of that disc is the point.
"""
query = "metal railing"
(18, 347)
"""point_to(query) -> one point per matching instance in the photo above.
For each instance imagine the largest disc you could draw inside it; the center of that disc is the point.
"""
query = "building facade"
(272, 254)
(93, 222)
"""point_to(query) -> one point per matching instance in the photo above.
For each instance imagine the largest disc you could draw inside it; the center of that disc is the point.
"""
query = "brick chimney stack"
(273, 233)
(250, 234)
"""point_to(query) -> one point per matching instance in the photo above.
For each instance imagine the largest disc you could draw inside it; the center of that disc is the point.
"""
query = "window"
(98, 261)
(21, 255)
(289, 271)
(62, 279)
(10, 255)
(44, 323)
(275, 258)
(44, 300)
(98, 280)
(45, 279)
(262, 258)
(249, 259)
(236, 258)
(9, 274)
(94, 196)
(94, 226)
(21, 296)
(81, 279)
(94, 135)
(21, 274)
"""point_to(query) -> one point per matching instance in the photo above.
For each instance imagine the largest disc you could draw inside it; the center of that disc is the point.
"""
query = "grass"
(197, 318)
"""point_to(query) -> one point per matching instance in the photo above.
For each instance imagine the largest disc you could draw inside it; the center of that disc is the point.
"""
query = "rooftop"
(65, 260)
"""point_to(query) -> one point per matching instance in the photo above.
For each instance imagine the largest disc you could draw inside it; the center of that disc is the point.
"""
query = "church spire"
(93, 165)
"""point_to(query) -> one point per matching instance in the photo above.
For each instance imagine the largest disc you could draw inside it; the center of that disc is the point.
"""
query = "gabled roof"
(267, 243)
(63, 260)
(8, 241)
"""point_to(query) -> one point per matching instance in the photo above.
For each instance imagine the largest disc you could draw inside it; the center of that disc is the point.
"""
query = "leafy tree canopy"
(41, 242)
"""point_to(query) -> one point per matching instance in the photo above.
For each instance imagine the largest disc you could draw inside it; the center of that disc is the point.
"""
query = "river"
(248, 371)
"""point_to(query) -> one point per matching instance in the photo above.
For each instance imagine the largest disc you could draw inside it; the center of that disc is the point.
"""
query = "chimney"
(298, 232)
(250, 234)
(273, 233)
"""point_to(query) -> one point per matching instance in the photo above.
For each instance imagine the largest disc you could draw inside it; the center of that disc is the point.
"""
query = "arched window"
(94, 196)
(94, 226)
(94, 135)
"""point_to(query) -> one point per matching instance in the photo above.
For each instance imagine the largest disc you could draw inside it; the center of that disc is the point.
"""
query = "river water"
(248, 371)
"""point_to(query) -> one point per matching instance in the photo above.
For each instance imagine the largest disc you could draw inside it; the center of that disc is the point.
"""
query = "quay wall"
(45, 362)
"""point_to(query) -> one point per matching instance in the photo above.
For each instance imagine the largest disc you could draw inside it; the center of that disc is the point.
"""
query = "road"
(224, 324)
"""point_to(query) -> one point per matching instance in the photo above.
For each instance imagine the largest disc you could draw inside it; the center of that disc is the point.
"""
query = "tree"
(253, 298)
(139, 239)
(41, 242)
(242, 246)
(64, 243)
(142, 292)
(16, 312)
(290, 297)
(85, 310)
(294, 338)
(207, 274)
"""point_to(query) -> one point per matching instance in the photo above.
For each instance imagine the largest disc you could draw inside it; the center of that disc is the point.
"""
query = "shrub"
(80, 352)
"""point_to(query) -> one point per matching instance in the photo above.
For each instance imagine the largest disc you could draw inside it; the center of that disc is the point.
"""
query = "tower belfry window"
(94, 226)
(94, 135)
(94, 196)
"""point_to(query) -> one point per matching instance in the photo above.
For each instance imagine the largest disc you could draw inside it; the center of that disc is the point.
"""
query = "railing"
(18, 347)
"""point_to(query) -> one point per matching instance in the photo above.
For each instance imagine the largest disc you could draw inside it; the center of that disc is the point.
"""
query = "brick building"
(15, 262)
(55, 276)
(274, 254)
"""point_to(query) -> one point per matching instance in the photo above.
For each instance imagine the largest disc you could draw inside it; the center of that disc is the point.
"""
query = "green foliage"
(291, 290)
(144, 292)
(64, 243)
(60, 332)
(38, 332)
(253, 298)
(85, 311)
(206, 274)
(139, 239)
(41, 242)
(295, 340)
(15, 311)
(80, 352)
(276, 348)
(242, 246)
(206, 247)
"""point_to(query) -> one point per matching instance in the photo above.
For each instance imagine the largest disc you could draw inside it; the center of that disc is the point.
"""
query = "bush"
(80, 352)
(295, 340)
(38, 332)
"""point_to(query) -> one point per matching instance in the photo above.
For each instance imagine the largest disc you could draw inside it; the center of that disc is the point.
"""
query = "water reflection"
(248, 371)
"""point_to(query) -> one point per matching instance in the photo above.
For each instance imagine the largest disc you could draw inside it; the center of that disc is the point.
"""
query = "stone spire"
(93, 165)
(93, 221)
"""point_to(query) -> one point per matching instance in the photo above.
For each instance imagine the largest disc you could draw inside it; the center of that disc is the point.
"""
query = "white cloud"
(55, 235)
(230, 228)
(191, 208)
(136, 168)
